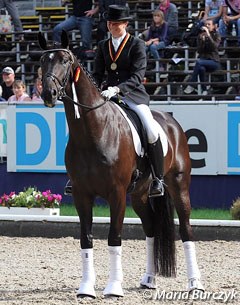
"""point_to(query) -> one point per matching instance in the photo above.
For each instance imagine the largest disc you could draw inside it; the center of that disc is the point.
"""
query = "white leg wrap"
(193, 272)
(149, 279)
(114, 285)
(88, 274)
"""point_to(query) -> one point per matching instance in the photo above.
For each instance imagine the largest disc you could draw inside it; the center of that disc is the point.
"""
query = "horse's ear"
(64, 39)
(42, 41)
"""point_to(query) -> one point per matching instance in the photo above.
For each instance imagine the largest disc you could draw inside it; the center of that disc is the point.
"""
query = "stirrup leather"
(68, 189)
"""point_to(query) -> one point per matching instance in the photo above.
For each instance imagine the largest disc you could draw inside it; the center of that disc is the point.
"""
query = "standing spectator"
(102, 23)
(156, 39)
(8, 77)
(171, 17)
(37, 90)
(213, 10)
(81, 19)
(230, 18)
(208, 42)
(13, 12)
(19, 90)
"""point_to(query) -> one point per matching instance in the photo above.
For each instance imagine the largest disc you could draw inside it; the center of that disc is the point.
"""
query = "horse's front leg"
(84, 209)
(117, 210)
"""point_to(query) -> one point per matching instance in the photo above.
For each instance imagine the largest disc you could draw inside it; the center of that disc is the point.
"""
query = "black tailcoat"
(131, 67)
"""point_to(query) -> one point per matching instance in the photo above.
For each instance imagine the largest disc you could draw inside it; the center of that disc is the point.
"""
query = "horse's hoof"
(148, 281)
(86, 290)
(195, 284)
(113, 289)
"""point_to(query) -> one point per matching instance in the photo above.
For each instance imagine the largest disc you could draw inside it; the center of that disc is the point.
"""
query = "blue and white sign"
(37, 137)
(3, 131)
(234, 139)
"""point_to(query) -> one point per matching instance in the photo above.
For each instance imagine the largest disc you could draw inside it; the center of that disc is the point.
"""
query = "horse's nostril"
(54, 92)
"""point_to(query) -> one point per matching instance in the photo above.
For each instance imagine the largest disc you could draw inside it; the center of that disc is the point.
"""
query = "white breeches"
(146, 116)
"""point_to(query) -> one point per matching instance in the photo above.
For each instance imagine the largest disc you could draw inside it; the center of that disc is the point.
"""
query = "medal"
(113, 66)
(114, 58)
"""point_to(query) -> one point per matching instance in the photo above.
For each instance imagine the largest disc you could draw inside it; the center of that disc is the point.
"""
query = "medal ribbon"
(119, 51)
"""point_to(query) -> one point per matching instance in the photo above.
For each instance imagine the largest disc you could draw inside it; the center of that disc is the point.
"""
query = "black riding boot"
(155, 152)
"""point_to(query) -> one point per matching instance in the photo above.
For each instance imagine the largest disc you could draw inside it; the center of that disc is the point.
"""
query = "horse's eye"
(65, 61)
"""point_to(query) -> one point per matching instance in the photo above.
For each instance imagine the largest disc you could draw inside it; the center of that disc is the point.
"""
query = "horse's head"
(56, 63)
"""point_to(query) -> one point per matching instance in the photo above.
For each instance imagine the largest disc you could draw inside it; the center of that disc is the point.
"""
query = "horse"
(101, 160)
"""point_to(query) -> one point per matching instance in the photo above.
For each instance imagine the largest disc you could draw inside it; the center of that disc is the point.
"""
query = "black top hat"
(118, 13)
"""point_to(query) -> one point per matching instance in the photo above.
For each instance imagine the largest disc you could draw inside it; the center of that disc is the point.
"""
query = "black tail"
(164, 235)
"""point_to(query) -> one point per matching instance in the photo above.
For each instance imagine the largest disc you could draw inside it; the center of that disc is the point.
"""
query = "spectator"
(19, 90)
(171, 17)
(208, 42)
(156, 38)
(13, 12)
(213, 10)
(37, 90)
(8, 77)
(81, 19)
(102, 23)
(230, 18)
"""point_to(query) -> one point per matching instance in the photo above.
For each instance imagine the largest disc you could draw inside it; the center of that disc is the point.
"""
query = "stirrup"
(68, 189)
(156, 188)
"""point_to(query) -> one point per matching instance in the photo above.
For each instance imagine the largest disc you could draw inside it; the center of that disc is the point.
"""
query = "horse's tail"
(164, 235)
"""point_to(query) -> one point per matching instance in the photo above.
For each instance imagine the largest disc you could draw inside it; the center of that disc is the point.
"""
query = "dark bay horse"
(101, 161)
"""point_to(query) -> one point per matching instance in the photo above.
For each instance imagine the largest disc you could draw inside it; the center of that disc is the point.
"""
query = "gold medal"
(113, 66)
(114, 58)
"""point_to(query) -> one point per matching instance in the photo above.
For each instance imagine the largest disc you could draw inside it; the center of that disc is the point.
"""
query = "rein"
(62, 92)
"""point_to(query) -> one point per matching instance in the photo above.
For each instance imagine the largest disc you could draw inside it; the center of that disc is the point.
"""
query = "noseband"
(61, 85)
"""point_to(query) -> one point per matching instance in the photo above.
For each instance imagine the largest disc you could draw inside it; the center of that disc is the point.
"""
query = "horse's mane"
(88, 74)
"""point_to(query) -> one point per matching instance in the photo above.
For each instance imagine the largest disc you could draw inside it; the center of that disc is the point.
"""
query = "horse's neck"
(83, 121)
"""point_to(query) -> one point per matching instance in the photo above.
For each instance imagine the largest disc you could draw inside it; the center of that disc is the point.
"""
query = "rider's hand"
(110, 92)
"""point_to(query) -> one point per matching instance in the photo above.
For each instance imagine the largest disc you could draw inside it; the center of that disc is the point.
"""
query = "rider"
(123, 57)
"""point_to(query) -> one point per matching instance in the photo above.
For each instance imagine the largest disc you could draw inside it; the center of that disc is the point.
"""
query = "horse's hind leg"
(117, 210)
(179, 191)
(144, 211)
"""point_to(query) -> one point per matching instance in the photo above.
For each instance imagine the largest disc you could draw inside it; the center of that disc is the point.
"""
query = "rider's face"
(117, 29)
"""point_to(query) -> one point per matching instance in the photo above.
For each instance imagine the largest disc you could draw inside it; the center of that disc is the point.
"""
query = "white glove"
(110, 92)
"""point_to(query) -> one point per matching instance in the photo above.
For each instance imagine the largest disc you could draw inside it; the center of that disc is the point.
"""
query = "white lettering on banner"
(37, 137)
(3, 131)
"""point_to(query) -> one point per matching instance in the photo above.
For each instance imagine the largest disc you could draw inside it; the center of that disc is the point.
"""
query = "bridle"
(61, 85)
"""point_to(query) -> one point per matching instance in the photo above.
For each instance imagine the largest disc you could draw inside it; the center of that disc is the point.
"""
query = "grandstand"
(179, 58)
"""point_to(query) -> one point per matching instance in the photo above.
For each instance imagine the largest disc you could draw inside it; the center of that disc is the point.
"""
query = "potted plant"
(31, 201)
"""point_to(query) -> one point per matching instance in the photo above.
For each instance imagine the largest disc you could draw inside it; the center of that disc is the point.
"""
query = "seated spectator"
(81, 19)
(13, 12)
(207, 44)
(230, 19)
(8, 77)
(156, 37)
(171, 17)
(213, 10)
(37, 90)
(19, 90)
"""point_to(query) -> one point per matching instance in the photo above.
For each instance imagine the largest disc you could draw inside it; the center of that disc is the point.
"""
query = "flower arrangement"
(31, 198)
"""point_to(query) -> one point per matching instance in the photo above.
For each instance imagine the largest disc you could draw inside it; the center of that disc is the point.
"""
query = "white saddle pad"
(136, 139)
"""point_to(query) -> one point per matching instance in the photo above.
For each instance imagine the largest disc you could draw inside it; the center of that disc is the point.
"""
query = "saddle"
(137, 123)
